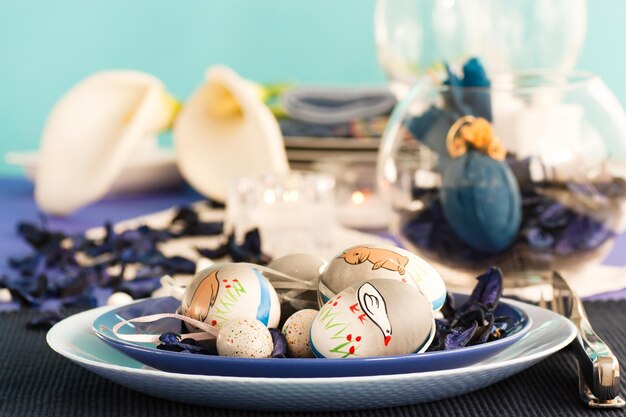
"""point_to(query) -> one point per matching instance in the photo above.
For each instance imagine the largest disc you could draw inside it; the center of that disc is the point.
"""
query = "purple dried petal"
(582, 232)
(252, 241)
(185, 215)
(179, 265)
(172, 342)
(596, 236)
(487, 335)
(170, 347)
(448, 309)
(553, 216)
(169, 338)
(438, 339)
(9, 306)
(484, 329)
(538, 239)
(209, 228)
(457, 339)
(192, 346)
(99, 296)
(280, 344)
(249, 250)
(50, 305)
(141, 287)
(45, 321)
(468, 314)
(190, 225)
(216, 253)
(39, 237)
(489, 289)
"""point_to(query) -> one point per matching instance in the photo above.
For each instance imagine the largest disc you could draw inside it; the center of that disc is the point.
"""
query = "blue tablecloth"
(17, 203)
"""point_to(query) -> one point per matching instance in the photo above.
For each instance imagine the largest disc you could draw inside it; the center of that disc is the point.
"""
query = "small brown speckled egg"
(296, 331)
(244, 338)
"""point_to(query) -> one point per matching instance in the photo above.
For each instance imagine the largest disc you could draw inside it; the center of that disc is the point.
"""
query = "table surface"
(36, 381)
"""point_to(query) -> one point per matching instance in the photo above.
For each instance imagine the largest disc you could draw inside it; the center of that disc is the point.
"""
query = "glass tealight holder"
(295, 213)
(359, 204)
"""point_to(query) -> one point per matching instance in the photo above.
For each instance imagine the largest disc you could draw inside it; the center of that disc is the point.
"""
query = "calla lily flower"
(93, 132)
(226, 131)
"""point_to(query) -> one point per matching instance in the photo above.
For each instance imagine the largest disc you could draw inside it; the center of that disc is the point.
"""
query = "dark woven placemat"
(35, 381)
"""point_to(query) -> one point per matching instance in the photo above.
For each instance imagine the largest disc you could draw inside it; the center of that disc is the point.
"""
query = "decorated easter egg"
(365, 262)
(303, 266)
(481, 200)
(244, 338)
(296, 330)
(379, 317)
(224, 292)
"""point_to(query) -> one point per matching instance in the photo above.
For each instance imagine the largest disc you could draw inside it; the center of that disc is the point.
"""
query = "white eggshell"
(224, 292)
(244, 338)
(296, 330)
(365, 262)
(379, 317)
(304, 266)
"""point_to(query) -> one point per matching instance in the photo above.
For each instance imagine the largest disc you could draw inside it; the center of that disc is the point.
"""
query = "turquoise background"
(47, 46)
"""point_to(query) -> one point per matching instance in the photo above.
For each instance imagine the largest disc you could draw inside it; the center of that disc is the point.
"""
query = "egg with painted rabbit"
(380, 317)
(365, 262)
(224, 292)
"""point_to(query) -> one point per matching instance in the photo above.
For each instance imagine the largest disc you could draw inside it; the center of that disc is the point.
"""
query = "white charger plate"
(74, 339)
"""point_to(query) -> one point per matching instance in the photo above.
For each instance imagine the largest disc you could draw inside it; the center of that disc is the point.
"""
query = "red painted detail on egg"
(351, 350)
(358, 338)
(213, 322)
(387, 340)
(349, 337)
(228, 286)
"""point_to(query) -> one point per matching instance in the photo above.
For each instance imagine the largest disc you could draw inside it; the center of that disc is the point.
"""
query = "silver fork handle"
(597, 363)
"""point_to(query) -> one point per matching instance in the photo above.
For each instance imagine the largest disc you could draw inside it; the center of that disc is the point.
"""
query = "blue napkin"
(331, 105)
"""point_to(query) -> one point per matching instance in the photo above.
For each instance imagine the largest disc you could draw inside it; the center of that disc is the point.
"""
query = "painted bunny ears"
(111, 118)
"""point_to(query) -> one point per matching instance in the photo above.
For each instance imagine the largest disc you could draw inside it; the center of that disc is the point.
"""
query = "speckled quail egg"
(244, 338)
(296, 330)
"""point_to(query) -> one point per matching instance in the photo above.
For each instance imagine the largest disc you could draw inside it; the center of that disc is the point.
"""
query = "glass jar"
(526, 172)
(414, 37)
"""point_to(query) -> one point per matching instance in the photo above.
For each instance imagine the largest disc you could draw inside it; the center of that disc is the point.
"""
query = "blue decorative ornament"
(481, 201)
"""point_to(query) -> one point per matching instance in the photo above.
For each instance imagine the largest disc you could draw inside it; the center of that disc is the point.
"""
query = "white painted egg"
(303, 266)
(365, 262)
(379, 317)
(296, 330)
(227, 291)
(245, 338)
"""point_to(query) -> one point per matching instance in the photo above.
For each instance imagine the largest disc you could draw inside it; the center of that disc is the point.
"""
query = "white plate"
(154, 170)
(74, 339)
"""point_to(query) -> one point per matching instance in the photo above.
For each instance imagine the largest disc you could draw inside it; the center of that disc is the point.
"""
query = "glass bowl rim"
(562, 80)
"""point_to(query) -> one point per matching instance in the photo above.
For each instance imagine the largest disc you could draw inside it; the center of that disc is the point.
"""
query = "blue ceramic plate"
(288, 368)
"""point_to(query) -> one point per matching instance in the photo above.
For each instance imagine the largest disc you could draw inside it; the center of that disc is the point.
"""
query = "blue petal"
(280, 344)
